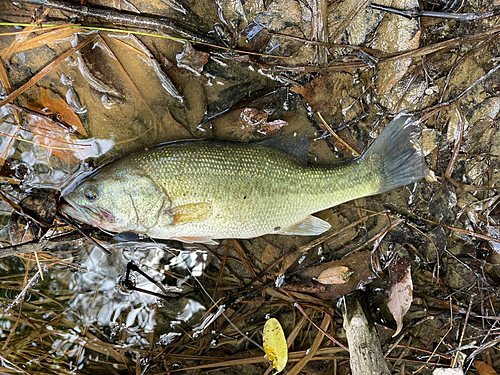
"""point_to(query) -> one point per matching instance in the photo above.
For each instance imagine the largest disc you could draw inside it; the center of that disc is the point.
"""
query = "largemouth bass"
(198, 191)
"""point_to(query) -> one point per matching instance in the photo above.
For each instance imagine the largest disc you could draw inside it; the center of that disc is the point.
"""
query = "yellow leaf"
(275, 344)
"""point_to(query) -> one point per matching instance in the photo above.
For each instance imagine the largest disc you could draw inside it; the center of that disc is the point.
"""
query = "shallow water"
(130, 93)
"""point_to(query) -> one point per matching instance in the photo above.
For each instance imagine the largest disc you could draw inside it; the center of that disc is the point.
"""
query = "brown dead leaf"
(19, 229)
(401, 294)
(191, 59)
(359, 263)
(41, 205)
(289, 260)
(335, 275)
(255, 121)
(54, 104)
(63, 143)
(484, 369)
(256, 35)
(323, 93)
(270, 254)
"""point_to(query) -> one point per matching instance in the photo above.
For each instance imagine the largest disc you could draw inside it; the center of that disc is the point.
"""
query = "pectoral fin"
(190, 213)
(310, 226)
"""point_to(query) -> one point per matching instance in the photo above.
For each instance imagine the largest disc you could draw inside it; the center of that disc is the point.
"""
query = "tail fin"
(397, 154)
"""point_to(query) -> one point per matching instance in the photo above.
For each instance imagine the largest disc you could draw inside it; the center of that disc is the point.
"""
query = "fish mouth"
(86, 215)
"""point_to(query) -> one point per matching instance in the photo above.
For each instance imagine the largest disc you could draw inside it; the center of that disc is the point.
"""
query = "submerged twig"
(83, 234)
(416, 13)
(458, 144)
(320, 329)
(455, 357)
(353, 151)
(33, 246)
(128, 284)
(436, 108)
(122, 17)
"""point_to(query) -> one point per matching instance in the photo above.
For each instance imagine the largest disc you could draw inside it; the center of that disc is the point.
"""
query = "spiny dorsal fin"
(292, 143)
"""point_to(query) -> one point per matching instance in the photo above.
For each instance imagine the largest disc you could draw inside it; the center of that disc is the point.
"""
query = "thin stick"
(416, 13)
(329, 234)
(463, 93)
(47, 69)
(320, 329)
(354, 152)
(463, 330)
(32, 246)
(458, 143)
(113, 16)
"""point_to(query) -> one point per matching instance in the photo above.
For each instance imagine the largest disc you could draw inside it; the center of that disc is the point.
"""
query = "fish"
(204, 190)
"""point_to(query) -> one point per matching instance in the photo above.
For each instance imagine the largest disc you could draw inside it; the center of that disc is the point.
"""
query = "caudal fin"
(397, 155)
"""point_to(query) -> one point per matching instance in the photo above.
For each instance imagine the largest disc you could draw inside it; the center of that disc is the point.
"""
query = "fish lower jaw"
(78, 213)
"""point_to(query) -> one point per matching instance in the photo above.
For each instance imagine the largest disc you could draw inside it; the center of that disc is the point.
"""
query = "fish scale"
(204, 190)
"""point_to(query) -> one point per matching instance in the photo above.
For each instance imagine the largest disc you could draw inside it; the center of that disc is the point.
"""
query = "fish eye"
(91, 193)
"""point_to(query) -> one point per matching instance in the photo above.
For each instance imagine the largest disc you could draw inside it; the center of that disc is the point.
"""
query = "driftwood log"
(364, 345)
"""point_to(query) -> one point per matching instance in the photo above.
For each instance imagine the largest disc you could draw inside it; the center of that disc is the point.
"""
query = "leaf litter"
(401, 292)
(355, 64)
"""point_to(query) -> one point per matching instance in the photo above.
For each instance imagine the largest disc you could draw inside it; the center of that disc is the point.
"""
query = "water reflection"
(98, 300)
(42, 169)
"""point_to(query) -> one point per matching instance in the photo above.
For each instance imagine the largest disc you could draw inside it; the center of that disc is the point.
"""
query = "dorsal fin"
(292, 143)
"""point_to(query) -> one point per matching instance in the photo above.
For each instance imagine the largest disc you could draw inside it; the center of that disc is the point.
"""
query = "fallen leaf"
(61, 141)
(41, 204)
(275, 344)
(256, 35)
(58, 106)
(270, 254)
(401, 294)
(191, 59)
(360, 263)
(484, 369)
(19, 230)
(255, 120)
(324, 93)
(335, 275)
(289, 260)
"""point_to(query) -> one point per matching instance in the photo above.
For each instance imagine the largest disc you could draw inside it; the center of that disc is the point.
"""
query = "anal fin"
(203, 240)
(310, 226)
